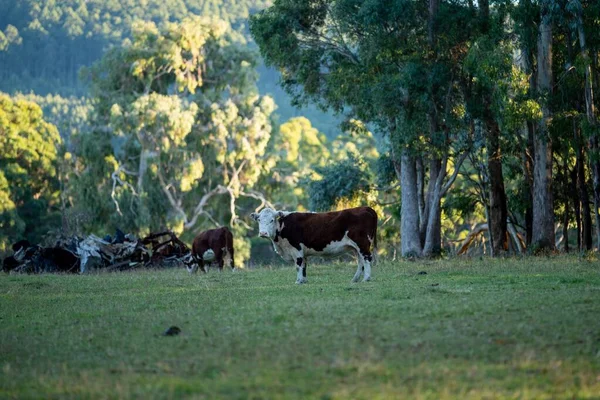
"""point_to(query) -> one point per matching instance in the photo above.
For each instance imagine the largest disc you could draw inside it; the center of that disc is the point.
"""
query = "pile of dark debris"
(111, 253)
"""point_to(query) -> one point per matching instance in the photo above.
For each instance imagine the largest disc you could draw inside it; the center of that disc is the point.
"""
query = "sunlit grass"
(468, 329)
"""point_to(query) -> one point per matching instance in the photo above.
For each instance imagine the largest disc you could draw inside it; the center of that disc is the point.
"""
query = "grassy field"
(468, 329)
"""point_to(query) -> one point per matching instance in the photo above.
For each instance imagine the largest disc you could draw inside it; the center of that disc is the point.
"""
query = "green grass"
(469, 329)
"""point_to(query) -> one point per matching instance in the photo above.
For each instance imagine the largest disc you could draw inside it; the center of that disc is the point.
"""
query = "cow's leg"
(301, 269)
(231, 261)
(367, 258)
(200, 258)
(193, 266)
(219, 259)
(360, 261)
(201, 264)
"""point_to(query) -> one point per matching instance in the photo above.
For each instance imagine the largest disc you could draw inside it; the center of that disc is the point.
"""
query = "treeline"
(56, 38)
(500, 92)
(44, 44)
(484, 114)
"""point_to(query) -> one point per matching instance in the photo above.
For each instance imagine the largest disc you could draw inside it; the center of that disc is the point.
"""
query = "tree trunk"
(590, 113)
(566, 203)
(409, 228)
(431, 224)
(543, 202)
(433, 235)
(434, 171)
(529, 167)
(528, 66)
(498, 209)
(432, 245)
(142, 168)
(576, 204)
(421, 194)
(433, 10)
(583, 194)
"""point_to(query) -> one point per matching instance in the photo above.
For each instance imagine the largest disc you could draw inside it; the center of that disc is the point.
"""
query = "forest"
(470, 127)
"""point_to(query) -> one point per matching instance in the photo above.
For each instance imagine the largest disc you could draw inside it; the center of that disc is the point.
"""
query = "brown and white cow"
(297, 235)
(209, 246)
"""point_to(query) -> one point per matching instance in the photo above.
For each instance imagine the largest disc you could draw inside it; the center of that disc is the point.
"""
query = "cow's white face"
(267, 222)
(188, 261)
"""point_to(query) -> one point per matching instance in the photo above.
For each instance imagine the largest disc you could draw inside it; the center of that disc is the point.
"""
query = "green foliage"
(344, 181)
(70, 115)
(10, 37)
(385, 171)
(12, 225)
(54, 39)
(294, 151)
(28, 177)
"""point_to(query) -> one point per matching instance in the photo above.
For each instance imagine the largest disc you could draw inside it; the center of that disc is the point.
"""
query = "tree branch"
(220, 189)
(174, 204)
(116, 179)
(258, 196)
(457, 166)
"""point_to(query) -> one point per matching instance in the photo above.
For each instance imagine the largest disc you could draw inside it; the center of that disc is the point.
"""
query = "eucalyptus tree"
(381, 62)
(489, 64)
(543, 202)
(592, 128)
(177, 124)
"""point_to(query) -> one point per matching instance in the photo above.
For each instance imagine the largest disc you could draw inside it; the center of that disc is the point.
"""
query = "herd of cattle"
(295, 237)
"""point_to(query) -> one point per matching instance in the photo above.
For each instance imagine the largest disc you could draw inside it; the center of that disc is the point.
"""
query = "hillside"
(46, 43)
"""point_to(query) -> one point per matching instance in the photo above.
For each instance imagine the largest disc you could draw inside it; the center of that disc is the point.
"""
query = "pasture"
(468, 329)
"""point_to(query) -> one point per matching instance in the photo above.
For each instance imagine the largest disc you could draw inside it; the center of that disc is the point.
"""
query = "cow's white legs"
(301, 269)
(192, 264)
(192, 269)
(367, 268)
(364, 266)
(359, 269)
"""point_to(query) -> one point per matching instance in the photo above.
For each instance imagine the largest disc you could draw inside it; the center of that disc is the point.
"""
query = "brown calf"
(209, 246)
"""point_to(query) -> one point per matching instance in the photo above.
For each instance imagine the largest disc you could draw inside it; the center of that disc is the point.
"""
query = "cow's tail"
(374, 251)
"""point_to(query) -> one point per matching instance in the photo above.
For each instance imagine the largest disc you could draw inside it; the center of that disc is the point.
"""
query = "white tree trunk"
(142, 167)
(543, 204)
(409, 229)
(434, 197)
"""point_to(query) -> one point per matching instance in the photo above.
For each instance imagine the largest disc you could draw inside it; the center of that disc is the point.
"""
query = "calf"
(209, 246)
(297, 235)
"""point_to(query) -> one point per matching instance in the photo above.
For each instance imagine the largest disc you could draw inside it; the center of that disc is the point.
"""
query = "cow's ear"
(280, 214)
(254, 216)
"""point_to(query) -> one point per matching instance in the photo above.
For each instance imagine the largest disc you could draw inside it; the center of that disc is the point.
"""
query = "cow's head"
(268, 221)
(189, 262)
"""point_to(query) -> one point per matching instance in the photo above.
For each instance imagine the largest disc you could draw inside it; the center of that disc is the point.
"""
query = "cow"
(209, 246)
(297, 235)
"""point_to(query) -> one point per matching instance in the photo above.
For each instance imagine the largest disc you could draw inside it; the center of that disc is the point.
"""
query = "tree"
(372, 61)
(28, 178)
(543, 205)
(491, 41)
(181, 124)
(576, 8)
